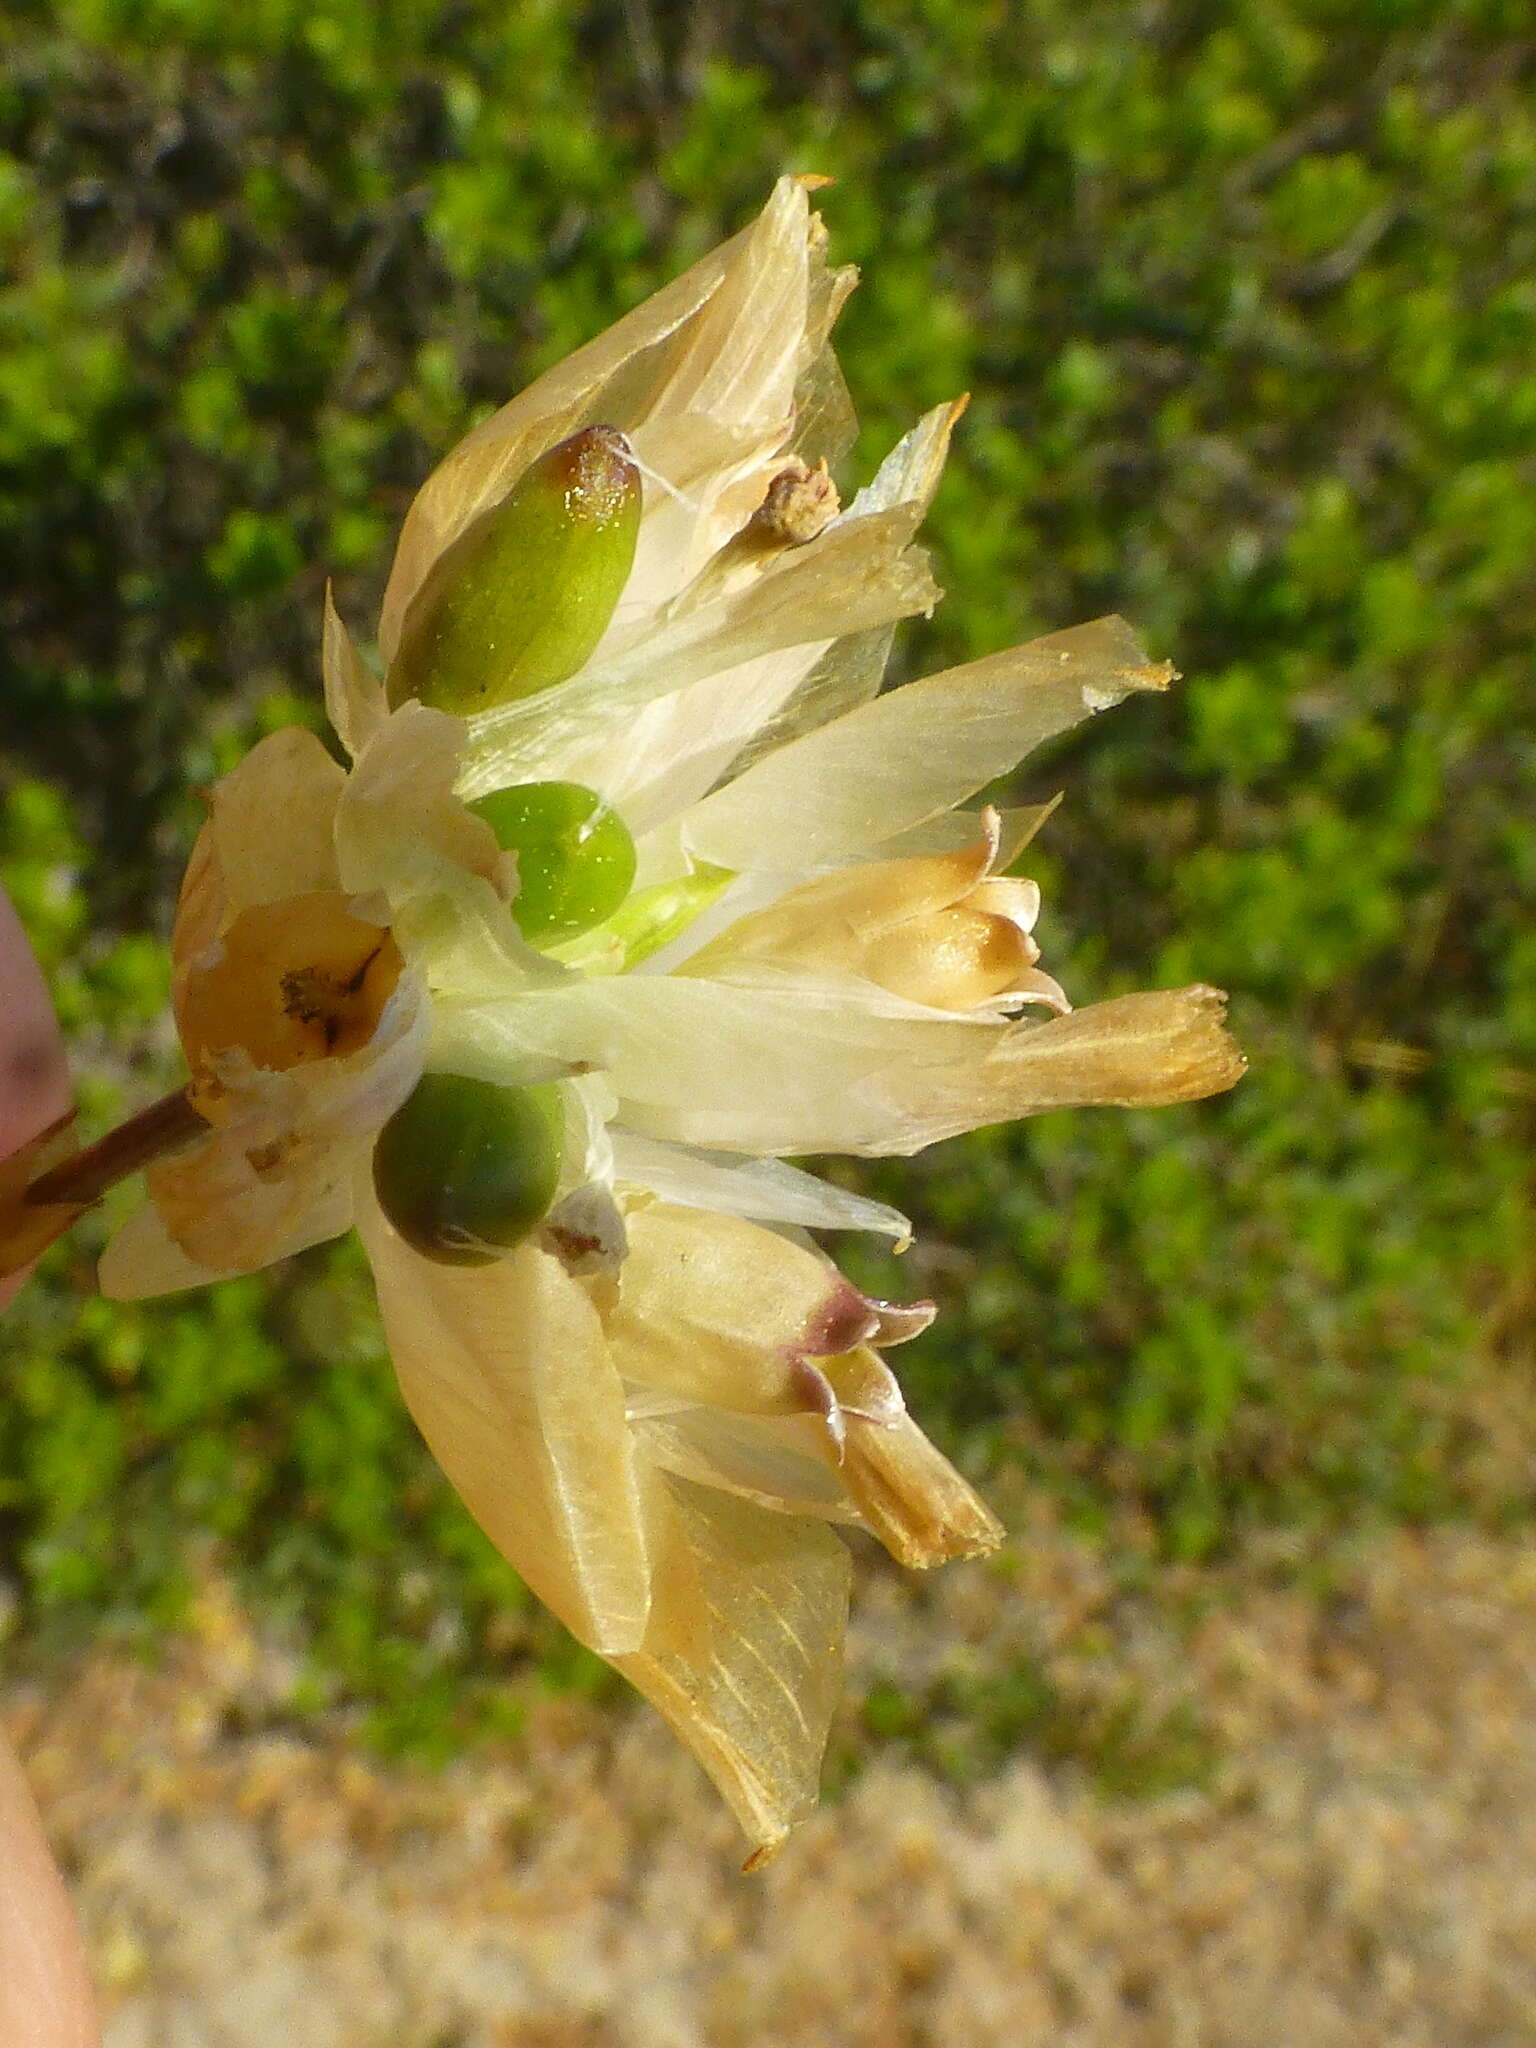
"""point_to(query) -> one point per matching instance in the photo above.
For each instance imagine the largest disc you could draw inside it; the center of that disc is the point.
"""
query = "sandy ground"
(1361, 1868)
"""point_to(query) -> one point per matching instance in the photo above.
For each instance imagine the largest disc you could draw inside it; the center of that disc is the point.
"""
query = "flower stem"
(86, 1176)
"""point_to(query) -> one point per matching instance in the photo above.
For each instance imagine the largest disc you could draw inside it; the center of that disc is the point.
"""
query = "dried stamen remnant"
(319, 997)
(800, 504)
(290, 982)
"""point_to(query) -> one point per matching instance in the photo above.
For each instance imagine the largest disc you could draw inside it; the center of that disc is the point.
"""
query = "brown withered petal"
(912, 1497)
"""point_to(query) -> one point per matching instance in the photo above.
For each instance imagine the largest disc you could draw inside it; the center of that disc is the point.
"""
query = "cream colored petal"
(779, 1461)
(910, 475)
(918, 750)
(505, 1370)
(744, 1655)
(655, 358)
(398, 821)
(143, 1259)
(401, 832)
(1142, 1051)
(673, 750)
(354, 696)
(793, 1067)
(787, 1066)
(286, 1144)
(763, 1190)
(271, 819)
(830, 922)
(952, 829)
(1013, 897)
(229, 1211)
(715, 1309)
(825, 423)
(956, 959)
(904, 1491)
(847, 674)
(715, 430)
(703, 479)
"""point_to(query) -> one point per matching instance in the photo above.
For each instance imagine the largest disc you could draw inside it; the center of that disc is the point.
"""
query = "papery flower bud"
(575, 857)
(465, 1170)
(936, 929)
(522, 597)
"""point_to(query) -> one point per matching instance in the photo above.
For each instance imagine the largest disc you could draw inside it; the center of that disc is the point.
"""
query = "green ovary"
(465, 1170)
(520, 600)
(575, 858)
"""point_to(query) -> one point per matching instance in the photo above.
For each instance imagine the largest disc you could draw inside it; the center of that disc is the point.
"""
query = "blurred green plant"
(1244, 303)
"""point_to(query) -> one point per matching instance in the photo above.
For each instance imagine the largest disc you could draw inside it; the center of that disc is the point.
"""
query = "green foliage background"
(1243, 294)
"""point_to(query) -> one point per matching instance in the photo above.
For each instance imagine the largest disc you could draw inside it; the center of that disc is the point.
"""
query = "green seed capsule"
(575, 858)
(523, 596)
(465, 1170)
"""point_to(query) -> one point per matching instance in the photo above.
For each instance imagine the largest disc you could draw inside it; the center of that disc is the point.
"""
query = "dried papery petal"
(271, 820)
(143, 1259)
(827, 922)
(932, 929)
(354, 696)
(1143, 1051)
(714, 1309)
(744, 1654)
(953, 829)
(795, 1066)
(906, 1492)
(912, 1497)
(916, 751)
(780, 1462)
(505, 1369)
(403, 834)
(240, 1200)
(763, 1190)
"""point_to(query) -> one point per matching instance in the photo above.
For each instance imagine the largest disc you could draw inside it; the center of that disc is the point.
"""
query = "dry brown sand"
(1361, 1869)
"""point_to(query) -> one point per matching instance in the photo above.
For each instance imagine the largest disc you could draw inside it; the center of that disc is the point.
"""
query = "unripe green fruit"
(522, 597)
(575, 858)
(464, 1170)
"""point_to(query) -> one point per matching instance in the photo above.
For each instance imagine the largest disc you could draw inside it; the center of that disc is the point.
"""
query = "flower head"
(634, 888)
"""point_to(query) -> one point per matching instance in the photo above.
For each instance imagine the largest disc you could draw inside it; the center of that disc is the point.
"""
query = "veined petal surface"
(507, 1373)
(744, 1655)
(918, 750)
